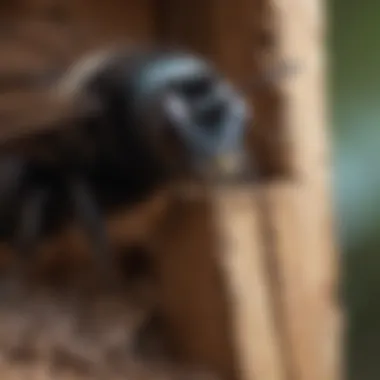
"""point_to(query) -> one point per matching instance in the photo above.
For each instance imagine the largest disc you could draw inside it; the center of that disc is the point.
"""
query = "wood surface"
(291, 228)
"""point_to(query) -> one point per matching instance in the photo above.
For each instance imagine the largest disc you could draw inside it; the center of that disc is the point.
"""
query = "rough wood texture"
(218, 31)
(214, 286)
(248, 37)
(224, 32)
(241, 252)
(191, 288)
(309, 318)
(300, 27)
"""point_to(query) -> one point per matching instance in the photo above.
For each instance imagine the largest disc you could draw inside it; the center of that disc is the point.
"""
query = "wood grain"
(302, 29)
(214, 286)
(290, 139)
(242, 253)
(192, 292)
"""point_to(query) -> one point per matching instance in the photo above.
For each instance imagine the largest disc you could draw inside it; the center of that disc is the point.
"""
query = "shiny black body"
(119, 155)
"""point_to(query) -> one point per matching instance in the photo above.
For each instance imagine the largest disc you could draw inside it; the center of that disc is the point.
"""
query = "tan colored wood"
(242, 254)
(301, 29)
(221, 31)
(192, 289)
(309, 316)
(214, 286)
(251, 37)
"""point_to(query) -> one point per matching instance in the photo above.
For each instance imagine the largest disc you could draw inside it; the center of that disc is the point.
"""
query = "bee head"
(173, 109)
(199, 119)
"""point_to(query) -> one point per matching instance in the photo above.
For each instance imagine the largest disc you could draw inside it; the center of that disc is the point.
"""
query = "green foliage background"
(355, 97)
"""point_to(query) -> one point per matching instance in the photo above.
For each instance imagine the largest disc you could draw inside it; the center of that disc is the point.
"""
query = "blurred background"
(355, 97)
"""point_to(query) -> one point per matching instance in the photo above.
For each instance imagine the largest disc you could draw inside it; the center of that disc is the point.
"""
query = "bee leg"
(30, 221)
(91, 219)
(11, 173)
(28, 230)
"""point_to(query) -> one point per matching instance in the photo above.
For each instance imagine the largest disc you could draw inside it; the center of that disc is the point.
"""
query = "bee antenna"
(91, 219)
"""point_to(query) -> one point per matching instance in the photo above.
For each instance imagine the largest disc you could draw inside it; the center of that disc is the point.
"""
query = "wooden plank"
(214, 286)
(311, 319)
(193, 299)
(252, 36)
(224, 32)
(300, 29)
(242, 254)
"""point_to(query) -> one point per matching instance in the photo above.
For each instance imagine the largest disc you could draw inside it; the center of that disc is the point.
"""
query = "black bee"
(138, 119)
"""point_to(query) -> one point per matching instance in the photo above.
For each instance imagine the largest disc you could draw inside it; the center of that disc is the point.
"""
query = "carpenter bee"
(128, 122)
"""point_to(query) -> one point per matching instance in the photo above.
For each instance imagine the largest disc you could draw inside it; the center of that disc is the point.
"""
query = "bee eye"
(195, 88)
(210, 118)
